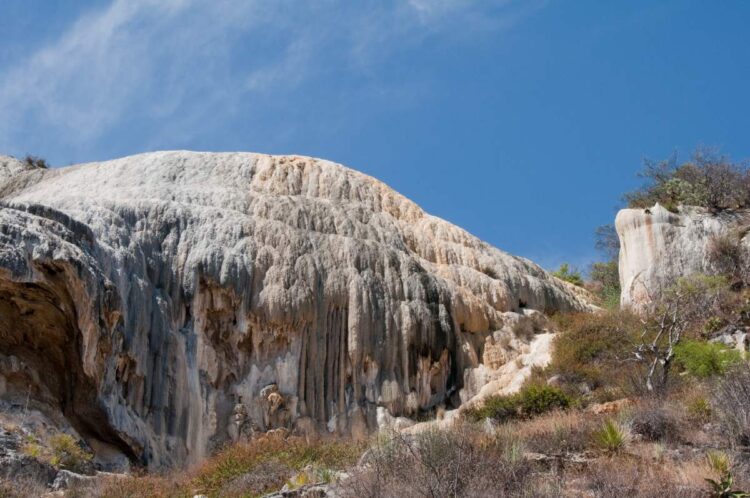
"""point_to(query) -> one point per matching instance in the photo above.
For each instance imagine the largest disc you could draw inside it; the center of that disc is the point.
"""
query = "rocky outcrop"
(165, 302)
(657, 247)
(16, 465)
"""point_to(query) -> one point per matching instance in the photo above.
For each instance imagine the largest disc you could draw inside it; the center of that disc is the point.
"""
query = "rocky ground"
(558, 454)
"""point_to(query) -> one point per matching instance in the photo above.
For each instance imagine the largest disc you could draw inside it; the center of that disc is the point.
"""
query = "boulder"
(657, 247)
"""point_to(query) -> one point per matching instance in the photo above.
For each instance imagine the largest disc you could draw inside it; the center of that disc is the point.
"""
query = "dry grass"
(731, 401)
(21, 488)
(654, 420)
(697, 405)
(467, 462)
(291, 453)
(557, 433)
(136, 487)
(626, 476)
(242, 470)
(461, 461)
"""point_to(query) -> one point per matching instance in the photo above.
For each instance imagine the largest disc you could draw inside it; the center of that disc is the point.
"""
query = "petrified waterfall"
(657, 247)
(141, 298)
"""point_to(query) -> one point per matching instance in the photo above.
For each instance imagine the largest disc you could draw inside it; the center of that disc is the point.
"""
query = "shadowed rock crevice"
(41, 357)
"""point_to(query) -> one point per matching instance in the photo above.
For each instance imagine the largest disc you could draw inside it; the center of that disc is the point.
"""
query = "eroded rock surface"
(144, 298)
(657, 247)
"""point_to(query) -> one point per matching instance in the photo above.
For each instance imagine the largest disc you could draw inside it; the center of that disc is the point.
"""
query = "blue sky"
(522, 122)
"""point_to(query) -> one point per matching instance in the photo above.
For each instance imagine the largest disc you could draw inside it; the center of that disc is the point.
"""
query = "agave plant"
(613, 436)
(722, 488)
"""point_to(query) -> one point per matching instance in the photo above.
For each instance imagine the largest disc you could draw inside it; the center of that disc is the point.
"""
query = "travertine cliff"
(165, 302)
(657, 247)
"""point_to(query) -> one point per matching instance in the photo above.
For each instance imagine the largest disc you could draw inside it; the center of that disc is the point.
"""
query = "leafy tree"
(708, 179)
(690, 301)
(572, 276)
(604, 276)
(607, 241)
(605, 280)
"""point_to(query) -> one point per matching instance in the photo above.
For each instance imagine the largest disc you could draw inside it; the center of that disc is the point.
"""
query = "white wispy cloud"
(84, 80)
(430, 9)
(153, 60)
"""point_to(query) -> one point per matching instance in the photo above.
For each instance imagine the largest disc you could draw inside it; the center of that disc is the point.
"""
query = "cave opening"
(41, 361)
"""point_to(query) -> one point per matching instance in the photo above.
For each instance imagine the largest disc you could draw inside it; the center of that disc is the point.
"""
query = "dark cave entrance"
(41, 360)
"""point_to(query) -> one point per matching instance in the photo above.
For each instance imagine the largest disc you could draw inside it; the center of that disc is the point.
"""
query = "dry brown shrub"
(460, 461)
(21, 488)
(595, 350)
(726, 255)
(625, 476)
(138, 486)
(265, 476)
(655, 420)
(557, 433)
(731, 403)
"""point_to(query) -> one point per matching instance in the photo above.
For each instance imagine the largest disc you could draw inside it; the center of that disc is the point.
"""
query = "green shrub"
(572, 276)
(66, 452)
(705, 359)
(32, 449)
(609, 298)
(591, 347)
(612, 437)
(605, 283)
(539, 398)
(714, 324)
(495, 407)
(699, 409)
(530, 401)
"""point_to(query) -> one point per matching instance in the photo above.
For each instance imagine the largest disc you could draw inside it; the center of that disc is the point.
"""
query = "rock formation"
(657, 247)
(143, 298)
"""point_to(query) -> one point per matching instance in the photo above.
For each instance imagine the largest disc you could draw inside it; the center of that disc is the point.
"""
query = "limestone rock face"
(145, 298)
(657, 247)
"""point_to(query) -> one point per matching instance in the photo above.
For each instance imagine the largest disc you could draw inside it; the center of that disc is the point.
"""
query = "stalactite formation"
(141, 298)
